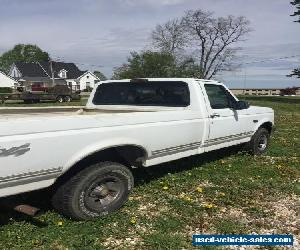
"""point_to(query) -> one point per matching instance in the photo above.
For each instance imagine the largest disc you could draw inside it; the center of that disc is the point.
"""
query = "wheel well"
(128, 155)
(268, 126)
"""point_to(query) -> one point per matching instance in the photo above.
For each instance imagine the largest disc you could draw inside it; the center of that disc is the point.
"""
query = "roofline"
(8, 76)
(86, 73)
(43, 69)
(14, 64)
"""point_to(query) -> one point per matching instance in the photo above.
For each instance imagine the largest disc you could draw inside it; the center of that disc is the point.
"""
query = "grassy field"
(221, 192)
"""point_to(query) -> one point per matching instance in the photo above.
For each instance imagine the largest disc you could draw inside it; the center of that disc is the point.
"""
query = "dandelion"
(209, 206)
(187, 198)
(199, 189)
(60, 223)
(132, 221)
(182, 195)
(165, 188)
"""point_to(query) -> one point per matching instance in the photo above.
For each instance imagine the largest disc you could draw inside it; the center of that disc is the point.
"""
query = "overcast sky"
(99, 34)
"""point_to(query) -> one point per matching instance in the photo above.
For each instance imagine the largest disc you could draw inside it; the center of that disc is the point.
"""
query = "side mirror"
(241, 105)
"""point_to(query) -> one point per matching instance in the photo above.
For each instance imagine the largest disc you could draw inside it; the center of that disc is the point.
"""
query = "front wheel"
(68, 98)
(259, 142)
(95, 191)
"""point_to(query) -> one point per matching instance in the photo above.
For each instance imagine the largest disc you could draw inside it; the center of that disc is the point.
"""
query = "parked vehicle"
(87, 156)
(58, 93)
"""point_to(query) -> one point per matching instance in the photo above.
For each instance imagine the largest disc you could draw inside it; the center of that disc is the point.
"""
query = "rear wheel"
(95, 191)
(259, 142)
(60, 99)
(67, 98)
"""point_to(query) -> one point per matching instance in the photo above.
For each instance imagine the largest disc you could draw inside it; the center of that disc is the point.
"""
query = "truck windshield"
(152, 93)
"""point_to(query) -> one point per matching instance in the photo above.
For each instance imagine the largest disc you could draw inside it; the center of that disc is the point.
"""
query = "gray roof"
(43, 69)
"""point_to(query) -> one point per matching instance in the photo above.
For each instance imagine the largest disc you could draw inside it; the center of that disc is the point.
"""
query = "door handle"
(214, 115)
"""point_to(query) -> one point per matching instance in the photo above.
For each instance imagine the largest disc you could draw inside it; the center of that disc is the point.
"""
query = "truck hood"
(259, 110)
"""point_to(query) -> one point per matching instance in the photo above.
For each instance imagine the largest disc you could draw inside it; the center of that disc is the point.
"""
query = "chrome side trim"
(25, 178)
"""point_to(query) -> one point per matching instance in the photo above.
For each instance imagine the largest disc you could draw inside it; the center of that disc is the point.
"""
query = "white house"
(7, 81)
(39, 74)
(84, 81)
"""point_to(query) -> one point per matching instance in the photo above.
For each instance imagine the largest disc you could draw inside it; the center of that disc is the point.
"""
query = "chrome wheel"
(103, 193)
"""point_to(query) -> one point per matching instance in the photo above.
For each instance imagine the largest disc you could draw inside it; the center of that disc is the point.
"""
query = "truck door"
(227, 126)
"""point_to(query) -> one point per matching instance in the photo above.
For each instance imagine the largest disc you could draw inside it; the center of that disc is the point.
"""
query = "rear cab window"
(144, 93)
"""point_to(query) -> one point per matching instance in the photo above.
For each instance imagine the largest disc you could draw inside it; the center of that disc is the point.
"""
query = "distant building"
(7, 81)
(260, 91)
(38, 75)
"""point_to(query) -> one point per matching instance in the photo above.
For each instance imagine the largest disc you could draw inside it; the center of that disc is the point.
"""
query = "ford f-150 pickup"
(86, 156)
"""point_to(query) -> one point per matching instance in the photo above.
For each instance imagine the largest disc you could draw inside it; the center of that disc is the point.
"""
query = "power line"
(272, 59)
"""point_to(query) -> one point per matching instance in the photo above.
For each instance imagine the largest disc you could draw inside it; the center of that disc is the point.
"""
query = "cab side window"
(218, 96)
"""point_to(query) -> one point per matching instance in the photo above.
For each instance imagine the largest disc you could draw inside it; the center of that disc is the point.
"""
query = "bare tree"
(169, 37)
(210, 40)
(214, 38)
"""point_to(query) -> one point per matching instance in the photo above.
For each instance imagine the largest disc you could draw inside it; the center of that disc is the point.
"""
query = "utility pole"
(52, 73)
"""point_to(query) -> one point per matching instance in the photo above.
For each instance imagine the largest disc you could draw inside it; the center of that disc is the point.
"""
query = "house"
(86, 81)
(7, 81)
(40, 75)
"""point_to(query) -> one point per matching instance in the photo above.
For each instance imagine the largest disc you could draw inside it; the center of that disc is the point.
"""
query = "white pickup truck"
(87, 155)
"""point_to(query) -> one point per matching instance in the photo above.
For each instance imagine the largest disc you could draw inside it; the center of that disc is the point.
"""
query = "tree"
(296, 72)
(169, 37)
(214, 38)
(289, 91)
(100, 75)
(210, 39)
(22, 53)
(146, 64)
(296, 3)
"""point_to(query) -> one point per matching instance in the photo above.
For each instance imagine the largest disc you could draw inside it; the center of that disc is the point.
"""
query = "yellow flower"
(209, 206)
(60, 223)
(199, 189)
(165, 187)
(182, 195)
(187, 198)
(133, 221)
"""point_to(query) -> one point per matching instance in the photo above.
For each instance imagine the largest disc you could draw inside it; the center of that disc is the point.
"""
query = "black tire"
(259, 142)
(95, 191)
(60, 99)
(67, 98)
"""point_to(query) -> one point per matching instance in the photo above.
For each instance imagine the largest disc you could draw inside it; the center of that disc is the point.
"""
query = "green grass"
(221, 192)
